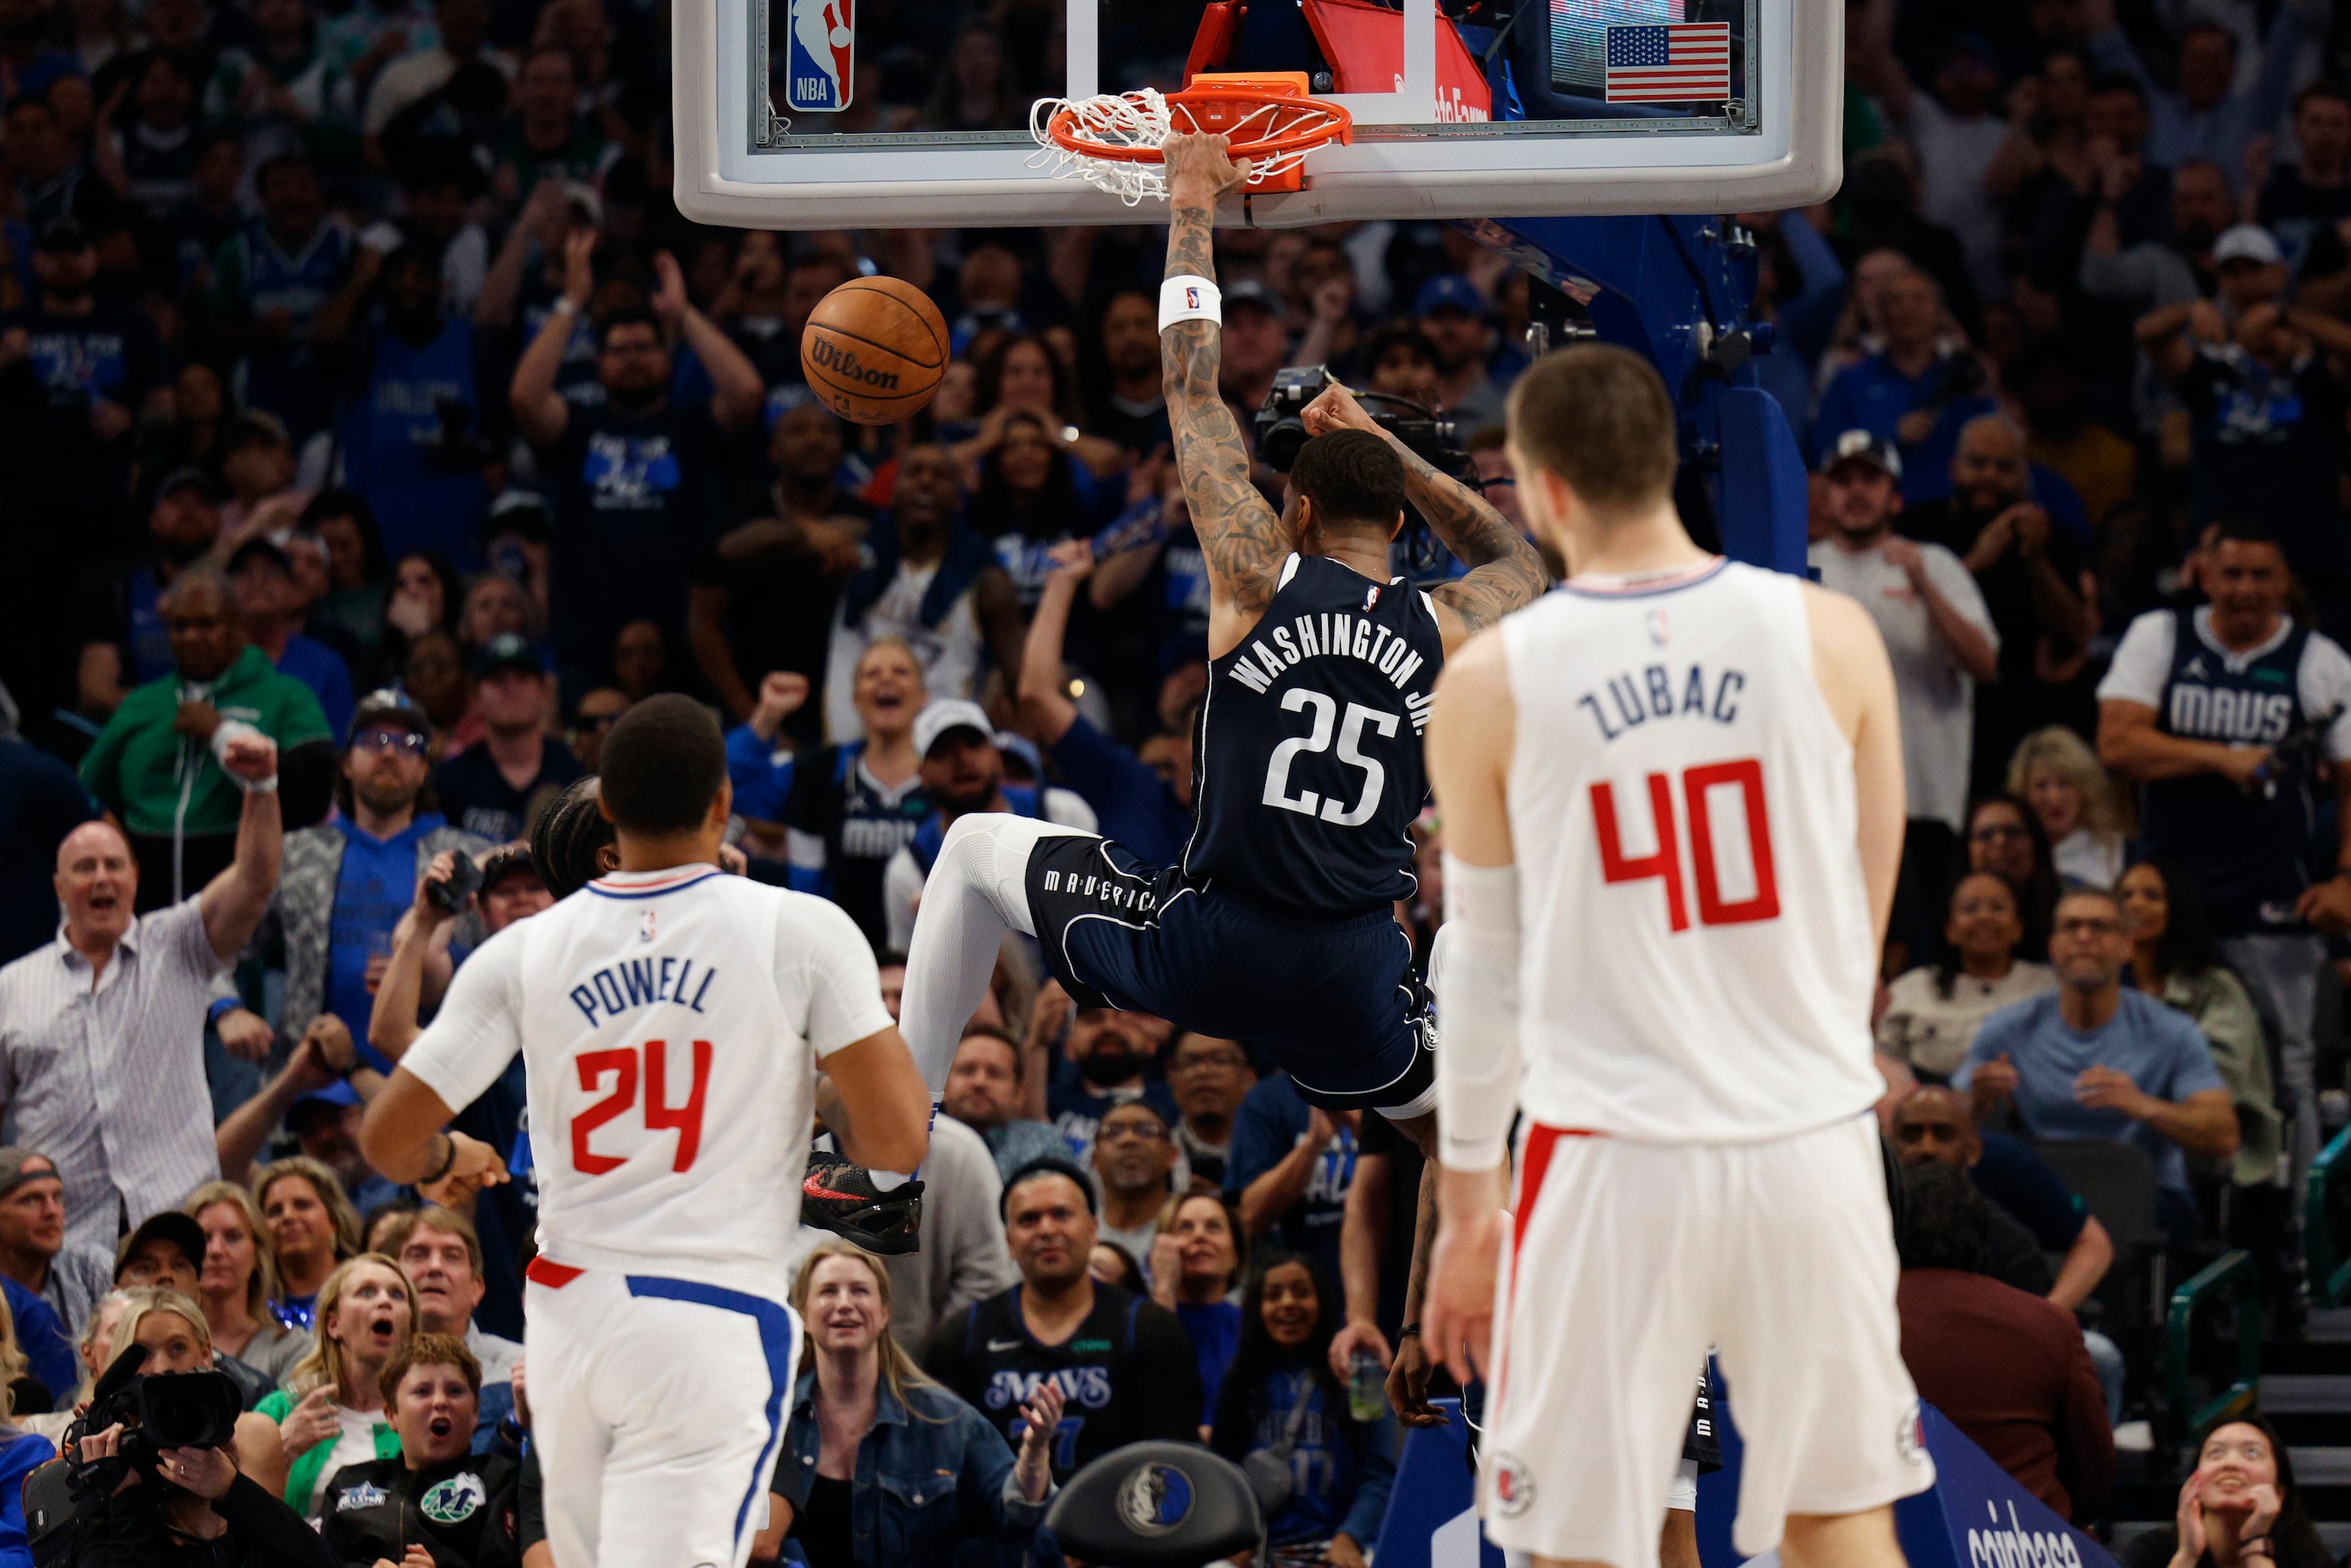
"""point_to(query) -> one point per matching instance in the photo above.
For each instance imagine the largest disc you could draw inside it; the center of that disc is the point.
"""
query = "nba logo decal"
(818, 54)
(646, 927)
(1371, 597)
(1191, 298)
(1660, 633)
(1513, 1488)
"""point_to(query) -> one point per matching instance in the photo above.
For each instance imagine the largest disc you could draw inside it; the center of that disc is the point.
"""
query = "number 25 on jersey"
(660, 1115)
(1700, 786)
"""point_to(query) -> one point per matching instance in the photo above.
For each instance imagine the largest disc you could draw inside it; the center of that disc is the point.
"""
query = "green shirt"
(302, 1477)
(157, 780)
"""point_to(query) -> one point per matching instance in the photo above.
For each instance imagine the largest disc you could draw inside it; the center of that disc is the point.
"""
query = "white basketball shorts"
(658, 1407)
(1627, 1262)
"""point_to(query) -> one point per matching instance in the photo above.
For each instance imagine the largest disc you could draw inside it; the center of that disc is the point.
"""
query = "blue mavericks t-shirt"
(1271, 1120)
(41, 1335)
(374, 887)
(1077, 1110)
(2157, 1049)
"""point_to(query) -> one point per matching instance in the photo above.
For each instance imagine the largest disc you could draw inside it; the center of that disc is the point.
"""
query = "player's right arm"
(1855, 678)
(1506, 572)
(885, 1122)
(447, 1068)
(1471, 731)
(1240, 536)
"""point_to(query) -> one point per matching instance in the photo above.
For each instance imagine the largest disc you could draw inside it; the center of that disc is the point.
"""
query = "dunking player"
(1673, 810)
(670, 1017)
(1277, 925)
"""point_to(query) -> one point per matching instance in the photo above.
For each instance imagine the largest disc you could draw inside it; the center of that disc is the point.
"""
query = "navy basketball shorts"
(1334, 1003)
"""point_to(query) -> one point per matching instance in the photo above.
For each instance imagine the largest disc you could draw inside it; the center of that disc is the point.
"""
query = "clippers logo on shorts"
(820, 56)
(454, 1501)
(1086, 1385)
(1514, 1489)
(1154, 1498)
(1910, 1437)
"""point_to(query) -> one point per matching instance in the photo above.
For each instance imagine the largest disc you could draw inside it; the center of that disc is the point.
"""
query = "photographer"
(135, 1497)
(197, 1510)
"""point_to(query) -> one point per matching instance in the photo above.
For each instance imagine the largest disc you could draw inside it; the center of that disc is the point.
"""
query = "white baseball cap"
(2247, 242)
(946, 714)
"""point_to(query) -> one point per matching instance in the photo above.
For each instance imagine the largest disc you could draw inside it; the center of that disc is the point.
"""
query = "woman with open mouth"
(332, 1411)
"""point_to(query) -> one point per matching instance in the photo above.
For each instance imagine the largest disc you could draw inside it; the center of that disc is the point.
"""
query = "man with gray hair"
(1997, 520)
(160, 763)
(101, 1053)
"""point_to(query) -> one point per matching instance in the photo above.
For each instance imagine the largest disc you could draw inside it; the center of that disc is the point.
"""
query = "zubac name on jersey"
(1332, 636)
(1656, 691)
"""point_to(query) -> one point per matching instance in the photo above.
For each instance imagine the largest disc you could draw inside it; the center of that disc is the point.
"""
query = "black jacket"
(262, 1532)
(464, 1512)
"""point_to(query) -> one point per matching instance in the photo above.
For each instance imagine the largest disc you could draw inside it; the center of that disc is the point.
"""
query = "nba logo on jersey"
(819, 53)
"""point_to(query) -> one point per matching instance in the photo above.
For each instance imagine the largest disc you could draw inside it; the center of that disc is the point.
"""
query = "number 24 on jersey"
(1697, 806)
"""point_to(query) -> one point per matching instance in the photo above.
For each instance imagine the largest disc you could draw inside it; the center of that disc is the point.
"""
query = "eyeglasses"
(1131, 1133)
(406, 740)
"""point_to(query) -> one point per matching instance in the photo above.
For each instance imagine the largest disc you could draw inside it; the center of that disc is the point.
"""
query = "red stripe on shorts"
(1533, 1163)
(551, 1274)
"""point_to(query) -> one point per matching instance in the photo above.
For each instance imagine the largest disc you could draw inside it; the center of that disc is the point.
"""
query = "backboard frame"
(1399, 170)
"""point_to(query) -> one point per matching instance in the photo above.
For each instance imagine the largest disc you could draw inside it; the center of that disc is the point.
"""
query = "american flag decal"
(1669, 62)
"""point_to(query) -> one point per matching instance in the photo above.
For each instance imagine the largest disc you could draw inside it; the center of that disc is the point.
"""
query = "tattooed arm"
(1242, 537)
(1505, 571)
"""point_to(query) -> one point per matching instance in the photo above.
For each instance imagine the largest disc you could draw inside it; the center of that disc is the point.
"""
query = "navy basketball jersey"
(1307, 773)
(2246, 850)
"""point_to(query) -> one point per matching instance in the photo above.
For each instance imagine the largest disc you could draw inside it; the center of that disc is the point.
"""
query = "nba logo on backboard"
(819, 54)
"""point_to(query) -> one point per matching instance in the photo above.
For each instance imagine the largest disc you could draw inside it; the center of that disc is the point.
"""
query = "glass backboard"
(828, 113)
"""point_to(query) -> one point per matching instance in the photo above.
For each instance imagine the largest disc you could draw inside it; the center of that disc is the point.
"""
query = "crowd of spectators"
(373, 433)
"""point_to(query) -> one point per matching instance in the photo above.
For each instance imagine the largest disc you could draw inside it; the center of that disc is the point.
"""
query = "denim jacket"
(932, 1487)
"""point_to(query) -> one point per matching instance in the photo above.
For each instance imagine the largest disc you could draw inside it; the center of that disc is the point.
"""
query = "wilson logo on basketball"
(844, 363)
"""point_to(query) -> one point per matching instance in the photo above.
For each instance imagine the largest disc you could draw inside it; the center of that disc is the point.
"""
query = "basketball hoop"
(1113, 141)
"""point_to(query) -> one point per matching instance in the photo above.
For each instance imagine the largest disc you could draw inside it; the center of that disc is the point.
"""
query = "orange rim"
(1319, 123)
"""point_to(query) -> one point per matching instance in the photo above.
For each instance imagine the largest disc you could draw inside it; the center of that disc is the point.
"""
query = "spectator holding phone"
(348, 881)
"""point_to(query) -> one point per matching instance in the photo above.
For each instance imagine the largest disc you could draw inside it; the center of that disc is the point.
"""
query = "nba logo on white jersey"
(819, 53)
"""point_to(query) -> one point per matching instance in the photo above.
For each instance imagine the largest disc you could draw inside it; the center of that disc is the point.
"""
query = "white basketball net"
(1144, 119)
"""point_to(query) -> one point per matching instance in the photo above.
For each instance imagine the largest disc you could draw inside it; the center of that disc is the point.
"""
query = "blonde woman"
(238, 1281)
(312, 1228)
(2055, 772)
(172, 1328)
(873, 1439)
(331, 1413)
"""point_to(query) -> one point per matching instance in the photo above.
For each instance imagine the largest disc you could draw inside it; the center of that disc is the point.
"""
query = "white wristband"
(231, 730)
(1190, 299)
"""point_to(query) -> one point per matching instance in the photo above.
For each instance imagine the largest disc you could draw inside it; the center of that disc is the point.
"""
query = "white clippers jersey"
(670, 1022)
(1697, 959)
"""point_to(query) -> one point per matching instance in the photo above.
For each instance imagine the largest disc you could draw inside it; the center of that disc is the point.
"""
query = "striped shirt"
(108, 1082)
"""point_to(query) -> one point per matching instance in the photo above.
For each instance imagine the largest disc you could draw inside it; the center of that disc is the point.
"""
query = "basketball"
(874, 350)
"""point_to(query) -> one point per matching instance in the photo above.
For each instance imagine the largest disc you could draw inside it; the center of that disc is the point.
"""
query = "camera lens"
(1279, 446)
